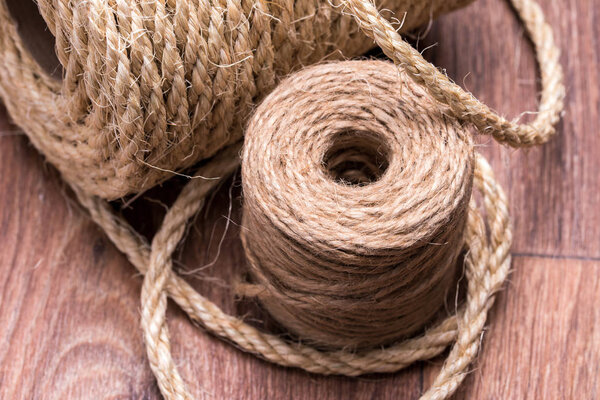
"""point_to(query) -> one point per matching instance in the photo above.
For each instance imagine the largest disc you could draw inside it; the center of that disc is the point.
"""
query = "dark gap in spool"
(36, 35)
(356, 158)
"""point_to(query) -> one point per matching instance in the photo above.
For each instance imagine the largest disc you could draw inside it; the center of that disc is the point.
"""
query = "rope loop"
(463, 104)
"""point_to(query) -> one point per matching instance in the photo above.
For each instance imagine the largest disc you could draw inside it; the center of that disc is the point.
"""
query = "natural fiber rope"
(152, 87)
(116, 111)
(463, 104)
(356, 188)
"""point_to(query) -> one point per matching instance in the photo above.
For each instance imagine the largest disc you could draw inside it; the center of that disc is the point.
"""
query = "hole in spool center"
(356, 158)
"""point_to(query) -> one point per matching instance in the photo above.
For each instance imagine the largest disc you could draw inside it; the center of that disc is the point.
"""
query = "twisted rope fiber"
(486, 263)
(463, 104)
(152, 87)
(357, 263)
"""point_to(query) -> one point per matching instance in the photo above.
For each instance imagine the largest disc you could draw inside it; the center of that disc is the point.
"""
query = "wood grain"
(554, 189)
(69, 302)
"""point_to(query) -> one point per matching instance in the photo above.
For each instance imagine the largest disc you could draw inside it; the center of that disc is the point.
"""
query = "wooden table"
(69, 301)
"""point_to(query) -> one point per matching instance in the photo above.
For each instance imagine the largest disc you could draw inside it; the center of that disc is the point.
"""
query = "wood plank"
(543, 339)
(69, 320)
(554, 190)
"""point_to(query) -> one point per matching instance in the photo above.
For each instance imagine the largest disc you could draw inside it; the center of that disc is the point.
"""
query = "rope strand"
(463, 104)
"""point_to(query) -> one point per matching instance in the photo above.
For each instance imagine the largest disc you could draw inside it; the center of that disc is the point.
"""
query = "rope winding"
(487, 265)
(150, 88)
(356, 187)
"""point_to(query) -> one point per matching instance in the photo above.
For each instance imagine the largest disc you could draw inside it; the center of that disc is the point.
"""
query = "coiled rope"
(356, 188)
(151, 87)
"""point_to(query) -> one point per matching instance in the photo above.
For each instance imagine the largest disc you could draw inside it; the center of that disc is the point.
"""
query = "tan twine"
(134, 104)
(152, 87)
(356, 188)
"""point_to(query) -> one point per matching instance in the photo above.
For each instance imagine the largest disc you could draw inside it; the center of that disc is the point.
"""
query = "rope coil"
(368, 260)
(150, 88)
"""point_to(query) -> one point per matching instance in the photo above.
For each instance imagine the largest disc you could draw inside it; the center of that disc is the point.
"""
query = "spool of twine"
(151, 87)
(356, 187)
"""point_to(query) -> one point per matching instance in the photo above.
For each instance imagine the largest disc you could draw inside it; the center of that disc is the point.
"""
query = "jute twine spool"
(356, 188)
(109, 119)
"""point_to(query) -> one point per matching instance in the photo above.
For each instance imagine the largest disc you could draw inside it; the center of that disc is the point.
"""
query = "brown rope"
(152, 87)
(463, 104)
(356, 188)
(487, 265)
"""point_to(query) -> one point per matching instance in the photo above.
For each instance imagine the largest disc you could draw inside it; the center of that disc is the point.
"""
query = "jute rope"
(356, 188)
(108, 118)
(151, 87)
